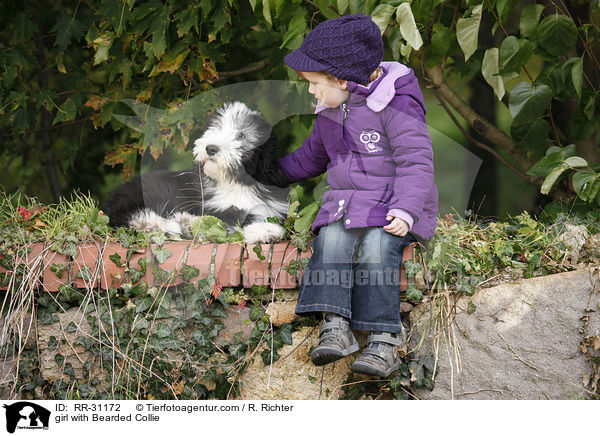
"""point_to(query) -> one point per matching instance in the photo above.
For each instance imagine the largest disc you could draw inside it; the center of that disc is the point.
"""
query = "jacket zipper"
(346, 110)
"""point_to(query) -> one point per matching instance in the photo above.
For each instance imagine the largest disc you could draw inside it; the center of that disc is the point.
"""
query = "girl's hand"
(397, 227)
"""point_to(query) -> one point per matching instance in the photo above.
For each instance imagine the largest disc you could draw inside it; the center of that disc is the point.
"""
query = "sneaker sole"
(365, 368)
(324, 355)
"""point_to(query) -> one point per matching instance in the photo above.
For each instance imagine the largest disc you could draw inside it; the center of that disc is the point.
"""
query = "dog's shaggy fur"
(237, 179)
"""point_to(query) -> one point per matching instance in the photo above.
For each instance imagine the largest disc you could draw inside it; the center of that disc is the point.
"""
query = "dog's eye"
(240, 136)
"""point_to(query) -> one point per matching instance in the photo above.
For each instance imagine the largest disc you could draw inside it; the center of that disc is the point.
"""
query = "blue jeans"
(356, 274)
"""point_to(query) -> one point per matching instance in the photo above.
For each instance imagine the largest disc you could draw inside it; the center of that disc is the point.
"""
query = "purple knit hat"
(348, 47)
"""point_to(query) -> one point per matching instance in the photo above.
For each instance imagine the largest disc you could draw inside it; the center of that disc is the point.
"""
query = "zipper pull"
(345, 109)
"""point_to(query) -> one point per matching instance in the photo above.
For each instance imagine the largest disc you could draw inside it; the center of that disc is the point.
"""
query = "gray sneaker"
(380, 355)
(335, 340)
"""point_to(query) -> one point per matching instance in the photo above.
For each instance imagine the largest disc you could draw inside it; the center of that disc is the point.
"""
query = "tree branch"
(488, 131)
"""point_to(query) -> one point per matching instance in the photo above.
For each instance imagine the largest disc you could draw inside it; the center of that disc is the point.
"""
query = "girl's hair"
(374, 75)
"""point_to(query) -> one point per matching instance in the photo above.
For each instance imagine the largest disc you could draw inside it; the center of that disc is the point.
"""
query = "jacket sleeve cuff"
(403, 215)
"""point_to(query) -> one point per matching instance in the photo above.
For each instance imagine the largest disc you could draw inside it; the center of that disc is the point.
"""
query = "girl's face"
(330, 92)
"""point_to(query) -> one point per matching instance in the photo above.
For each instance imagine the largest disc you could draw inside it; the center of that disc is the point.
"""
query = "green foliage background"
(65, 65)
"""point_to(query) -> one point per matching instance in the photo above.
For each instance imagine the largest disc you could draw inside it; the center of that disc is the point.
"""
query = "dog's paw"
(149, 221)
(185, 220)
(263, 232)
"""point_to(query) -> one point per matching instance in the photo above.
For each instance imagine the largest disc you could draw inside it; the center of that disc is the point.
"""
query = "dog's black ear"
(264, 166)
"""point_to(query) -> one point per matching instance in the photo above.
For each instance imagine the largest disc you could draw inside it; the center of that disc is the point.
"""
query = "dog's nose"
(212, 149)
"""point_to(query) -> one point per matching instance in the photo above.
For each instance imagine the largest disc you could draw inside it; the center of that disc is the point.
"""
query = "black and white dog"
(237, 179)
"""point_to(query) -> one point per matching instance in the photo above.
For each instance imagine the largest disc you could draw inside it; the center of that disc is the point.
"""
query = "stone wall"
(524, 340)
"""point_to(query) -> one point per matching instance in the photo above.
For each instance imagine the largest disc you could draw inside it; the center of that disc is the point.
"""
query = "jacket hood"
(397, 79)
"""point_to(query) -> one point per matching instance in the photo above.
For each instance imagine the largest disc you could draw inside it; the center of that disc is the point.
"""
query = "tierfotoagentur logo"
(26, 415)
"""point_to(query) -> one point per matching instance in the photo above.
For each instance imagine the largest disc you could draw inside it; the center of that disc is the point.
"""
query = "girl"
(370, 136)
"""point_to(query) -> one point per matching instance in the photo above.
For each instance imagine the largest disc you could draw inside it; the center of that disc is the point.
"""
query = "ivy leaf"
(71, 327)
(411, 268)
(408, 27)
(116, 259)
(557, 34)
(467, 31)
(258, 250)
(162, 254)
(286, 334)
(412, 293)
(163, 330)
(471, 308)
(490, 72)
(188, 272)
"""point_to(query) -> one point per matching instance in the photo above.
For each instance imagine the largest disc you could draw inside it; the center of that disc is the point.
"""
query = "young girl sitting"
(370, 136)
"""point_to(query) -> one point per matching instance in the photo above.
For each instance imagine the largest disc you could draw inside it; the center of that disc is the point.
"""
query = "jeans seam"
(319, 307)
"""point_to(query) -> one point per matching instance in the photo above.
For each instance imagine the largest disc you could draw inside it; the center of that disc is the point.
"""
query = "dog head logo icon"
(24, 414)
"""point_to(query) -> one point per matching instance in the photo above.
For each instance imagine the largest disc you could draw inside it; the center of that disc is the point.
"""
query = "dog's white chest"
(229, 195)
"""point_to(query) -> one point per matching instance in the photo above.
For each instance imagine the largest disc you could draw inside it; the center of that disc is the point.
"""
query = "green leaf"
(186, 19)
(116, 259)
(59, 359)
(576, 67)
(382, 15)
(295, 32)
(551, 178)
(71, 327)
(586, 184)
(188, 272)
(342, 6)
(285, 333)
(576, 162)
(530, 16)
(490, 72)
(163, 330)
(67, 28)
(467, 31)
(471, 308)
(532, 137)
(411, 268)
(514, 53)
(528, 102)
(159, 27)
(307, 217)
(408, 27)
(67, 111)
(557, 34)
(85, 273)
(441, 39)
(412, 293)
(545, 165)
(258, 250)
(102, 44)
(162, 254)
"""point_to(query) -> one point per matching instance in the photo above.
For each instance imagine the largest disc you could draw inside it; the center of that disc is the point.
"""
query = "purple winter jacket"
(377, 152)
